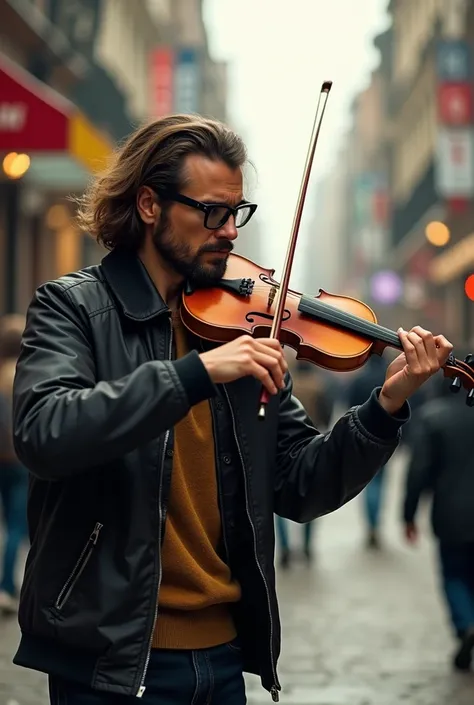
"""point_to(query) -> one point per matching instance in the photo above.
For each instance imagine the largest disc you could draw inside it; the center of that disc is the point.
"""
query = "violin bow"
(282, 291)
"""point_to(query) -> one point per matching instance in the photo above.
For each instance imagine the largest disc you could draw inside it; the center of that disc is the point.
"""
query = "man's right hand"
(261, 358)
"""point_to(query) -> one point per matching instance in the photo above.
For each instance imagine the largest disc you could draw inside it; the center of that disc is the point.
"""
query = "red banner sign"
(161, 82)
(32, 116)
(455, 104)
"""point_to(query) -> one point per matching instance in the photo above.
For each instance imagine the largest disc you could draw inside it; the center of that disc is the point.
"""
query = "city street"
(358, 628)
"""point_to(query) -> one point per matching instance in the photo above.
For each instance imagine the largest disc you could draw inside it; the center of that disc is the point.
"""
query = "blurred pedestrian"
(441, 467)
(311, 386)
(13, 476)
(370, 376)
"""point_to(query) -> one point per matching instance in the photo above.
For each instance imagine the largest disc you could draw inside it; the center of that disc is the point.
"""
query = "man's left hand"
(423, 355)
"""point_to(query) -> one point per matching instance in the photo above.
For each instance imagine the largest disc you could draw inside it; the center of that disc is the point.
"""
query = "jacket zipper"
(276, 685)
(142, 688)
(78, 569)
(219, 483)
(219, 486)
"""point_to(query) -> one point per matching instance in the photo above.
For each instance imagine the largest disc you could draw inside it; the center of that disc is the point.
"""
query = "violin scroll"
(462, 374)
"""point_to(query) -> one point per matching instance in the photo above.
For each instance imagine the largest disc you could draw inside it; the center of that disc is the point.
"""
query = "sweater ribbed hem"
(198, 629)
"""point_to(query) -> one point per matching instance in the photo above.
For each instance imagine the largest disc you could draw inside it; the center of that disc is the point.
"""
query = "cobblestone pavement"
(358, 628)
(363, 628)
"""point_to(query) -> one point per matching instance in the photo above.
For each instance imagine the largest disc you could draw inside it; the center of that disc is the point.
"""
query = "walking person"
(153, 485)
(440, 468)
(13, 476)
(312, 388)
(371, 375)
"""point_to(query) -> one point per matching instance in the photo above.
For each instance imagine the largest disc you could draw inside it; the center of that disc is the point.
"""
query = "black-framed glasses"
(216, 215)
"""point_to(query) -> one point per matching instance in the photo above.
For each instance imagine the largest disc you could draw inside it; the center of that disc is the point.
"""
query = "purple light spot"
(386, 287)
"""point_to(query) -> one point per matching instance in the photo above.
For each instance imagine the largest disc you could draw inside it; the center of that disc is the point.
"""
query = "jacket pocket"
(78, 569)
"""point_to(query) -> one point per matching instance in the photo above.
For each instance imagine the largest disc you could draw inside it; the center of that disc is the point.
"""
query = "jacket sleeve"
(421, 468)
(65, 421)
(317, 473)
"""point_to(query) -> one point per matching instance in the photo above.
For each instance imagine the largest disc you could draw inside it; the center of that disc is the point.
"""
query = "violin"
(335, 332)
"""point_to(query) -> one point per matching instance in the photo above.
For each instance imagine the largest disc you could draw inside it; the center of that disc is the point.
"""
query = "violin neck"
(326, 313)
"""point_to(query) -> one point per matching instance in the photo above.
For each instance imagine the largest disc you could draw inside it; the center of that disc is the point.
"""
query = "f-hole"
(251, 315)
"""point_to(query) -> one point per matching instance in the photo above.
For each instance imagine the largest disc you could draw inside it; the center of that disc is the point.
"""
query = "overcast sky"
(280, 54)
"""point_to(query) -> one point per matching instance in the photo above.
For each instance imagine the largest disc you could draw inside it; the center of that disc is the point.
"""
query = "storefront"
(48, 151)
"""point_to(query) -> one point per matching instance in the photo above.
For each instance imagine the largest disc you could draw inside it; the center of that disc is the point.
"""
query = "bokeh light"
(437, 233)
(16, 165)
(469, 287)
(386, 287)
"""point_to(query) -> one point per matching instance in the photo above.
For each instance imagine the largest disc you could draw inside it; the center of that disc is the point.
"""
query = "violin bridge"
(271, 296)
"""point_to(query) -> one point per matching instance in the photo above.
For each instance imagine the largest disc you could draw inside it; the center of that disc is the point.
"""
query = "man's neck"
(168, 283)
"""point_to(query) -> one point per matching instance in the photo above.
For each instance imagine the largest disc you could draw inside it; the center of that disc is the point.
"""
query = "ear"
(147, 205)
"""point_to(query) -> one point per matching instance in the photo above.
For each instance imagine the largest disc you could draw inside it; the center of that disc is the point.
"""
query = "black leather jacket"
(96, 397)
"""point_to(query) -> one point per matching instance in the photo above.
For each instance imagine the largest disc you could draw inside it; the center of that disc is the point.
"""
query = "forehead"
(208, 180)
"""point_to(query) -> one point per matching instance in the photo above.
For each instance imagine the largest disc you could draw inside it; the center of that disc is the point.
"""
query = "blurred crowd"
(439, 449)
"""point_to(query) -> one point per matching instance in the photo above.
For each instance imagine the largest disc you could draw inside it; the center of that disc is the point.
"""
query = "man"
(442, 447)
(370, 376)
(153, 482)
(13, 476)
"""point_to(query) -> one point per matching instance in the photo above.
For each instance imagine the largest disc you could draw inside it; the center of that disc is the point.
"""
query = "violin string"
(348, 320)
(354, 323)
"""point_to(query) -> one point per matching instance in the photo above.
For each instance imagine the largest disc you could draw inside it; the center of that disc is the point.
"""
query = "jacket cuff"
(379, 422)
(194, 378)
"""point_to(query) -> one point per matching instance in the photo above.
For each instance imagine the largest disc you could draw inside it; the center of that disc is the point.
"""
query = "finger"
(270, 342)
(267, 356)
(264, 376)
(430, 347)
(422, 366)
(271, 364)
(443, 348)
(270, 346)
(409, 349)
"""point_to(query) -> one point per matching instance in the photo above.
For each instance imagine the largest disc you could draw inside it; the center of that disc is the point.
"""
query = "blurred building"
(351, 208)
(433, 161)
(319, 257)
(76, 76)
(403, 240)
(184, 78)
(47, 142)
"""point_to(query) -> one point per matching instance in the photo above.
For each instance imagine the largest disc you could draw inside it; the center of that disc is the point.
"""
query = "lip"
(218, 252)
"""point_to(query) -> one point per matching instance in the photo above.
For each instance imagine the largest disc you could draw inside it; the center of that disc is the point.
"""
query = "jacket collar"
(132, 286)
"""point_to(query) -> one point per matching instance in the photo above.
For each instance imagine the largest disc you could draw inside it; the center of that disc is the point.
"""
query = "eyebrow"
(224, 203)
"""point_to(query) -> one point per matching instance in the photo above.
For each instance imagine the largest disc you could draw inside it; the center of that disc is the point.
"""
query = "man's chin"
(215, 265)
(210, 272)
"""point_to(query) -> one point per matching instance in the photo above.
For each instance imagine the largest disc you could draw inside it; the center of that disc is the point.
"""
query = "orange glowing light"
(437, 233)
(16, 165)
(469, 287)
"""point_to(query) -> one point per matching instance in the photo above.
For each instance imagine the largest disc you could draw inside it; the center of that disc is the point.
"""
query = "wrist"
(209, 365)
(390, 405)
(194, 377)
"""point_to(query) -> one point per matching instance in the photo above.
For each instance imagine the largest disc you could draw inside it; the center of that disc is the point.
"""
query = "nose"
(228, 230)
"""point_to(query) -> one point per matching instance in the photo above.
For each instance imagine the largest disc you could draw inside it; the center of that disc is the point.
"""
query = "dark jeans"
(457, 570)
(373, 499)
(203, 677)
(282, 530)
(13, 496)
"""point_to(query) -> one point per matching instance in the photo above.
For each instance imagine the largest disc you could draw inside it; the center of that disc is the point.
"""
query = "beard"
(187, 263)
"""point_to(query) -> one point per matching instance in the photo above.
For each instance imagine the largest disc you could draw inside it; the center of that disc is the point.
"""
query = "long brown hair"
(153, 156)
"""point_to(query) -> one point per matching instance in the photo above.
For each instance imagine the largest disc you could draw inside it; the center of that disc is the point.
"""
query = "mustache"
(225, 246)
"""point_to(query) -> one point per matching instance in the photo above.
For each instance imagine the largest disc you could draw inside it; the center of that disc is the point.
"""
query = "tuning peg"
(470, 398)
(455, 385)
(469, 359)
